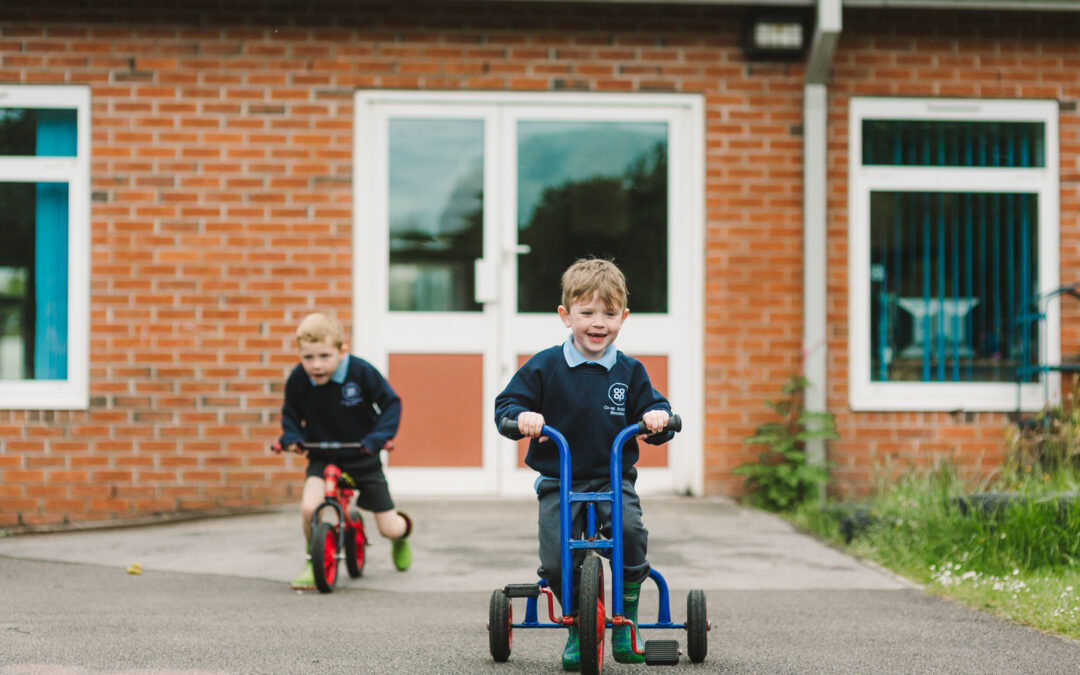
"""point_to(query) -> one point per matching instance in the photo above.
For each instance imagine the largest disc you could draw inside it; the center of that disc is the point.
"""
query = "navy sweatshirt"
(589, 404)
(362, 408)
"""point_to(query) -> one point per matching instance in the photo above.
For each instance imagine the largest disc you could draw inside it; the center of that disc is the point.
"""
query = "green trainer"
(306, 580)
(571, 653)
(401, 552)
(621, 648)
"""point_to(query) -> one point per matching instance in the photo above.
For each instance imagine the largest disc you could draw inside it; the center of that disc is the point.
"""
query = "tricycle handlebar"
(508, 426)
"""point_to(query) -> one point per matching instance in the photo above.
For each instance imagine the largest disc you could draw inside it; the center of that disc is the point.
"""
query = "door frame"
(685, 473)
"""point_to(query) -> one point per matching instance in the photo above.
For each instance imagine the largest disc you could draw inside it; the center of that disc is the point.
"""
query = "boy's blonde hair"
(317, 327)
(593, 275)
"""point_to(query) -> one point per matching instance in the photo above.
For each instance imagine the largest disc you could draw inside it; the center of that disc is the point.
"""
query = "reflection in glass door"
(436, 213)
(592, 189)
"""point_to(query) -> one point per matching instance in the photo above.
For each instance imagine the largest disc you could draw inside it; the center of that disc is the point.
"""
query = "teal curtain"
(56, 136)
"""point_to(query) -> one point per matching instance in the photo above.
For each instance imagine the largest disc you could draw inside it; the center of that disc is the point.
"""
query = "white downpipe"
(815, 188)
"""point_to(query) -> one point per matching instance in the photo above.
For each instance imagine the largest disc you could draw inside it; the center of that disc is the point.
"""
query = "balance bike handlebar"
(330, 446)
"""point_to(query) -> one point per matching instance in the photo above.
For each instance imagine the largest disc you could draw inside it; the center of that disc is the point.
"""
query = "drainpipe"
(815, 182)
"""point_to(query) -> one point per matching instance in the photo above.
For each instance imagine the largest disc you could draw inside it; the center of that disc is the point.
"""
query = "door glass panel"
(592, 189)
(436, 213)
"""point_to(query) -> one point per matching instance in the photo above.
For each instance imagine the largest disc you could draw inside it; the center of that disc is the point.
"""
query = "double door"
(467, 209)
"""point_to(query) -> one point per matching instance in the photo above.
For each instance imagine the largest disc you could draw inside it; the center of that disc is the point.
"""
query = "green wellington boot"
(571, 653)
(401, 552)
(306, 580)
(621, 648)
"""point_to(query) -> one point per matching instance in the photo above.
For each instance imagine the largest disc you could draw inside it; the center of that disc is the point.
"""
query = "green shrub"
(783, 478)
(1051, 440)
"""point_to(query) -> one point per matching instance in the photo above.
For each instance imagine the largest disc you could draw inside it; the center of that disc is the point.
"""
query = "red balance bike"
(342, 536)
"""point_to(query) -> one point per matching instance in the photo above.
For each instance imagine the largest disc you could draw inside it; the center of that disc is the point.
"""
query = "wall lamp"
(774, 35)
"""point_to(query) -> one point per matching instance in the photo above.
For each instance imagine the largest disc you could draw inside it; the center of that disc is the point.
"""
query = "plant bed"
(851, 519)
(994, 504)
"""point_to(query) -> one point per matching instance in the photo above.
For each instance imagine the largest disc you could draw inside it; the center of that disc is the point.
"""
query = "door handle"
(485, 281)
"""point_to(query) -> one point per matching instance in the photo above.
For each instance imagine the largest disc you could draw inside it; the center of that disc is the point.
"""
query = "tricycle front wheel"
(591, 616)
(324, 560)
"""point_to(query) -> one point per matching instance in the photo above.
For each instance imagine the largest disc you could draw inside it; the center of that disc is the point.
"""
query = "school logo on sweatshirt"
(616, 393)
(351, 394)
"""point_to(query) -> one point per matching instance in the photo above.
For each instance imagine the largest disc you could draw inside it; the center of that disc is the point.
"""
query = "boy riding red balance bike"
(342, 537)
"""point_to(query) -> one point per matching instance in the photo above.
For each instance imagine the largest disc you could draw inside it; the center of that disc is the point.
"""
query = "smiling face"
(321, 359)
(594, 325)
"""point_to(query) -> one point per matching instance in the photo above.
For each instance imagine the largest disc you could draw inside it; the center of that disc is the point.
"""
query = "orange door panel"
(442, 409)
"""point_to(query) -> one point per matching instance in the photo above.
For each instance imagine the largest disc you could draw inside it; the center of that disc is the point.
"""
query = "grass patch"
(1008, 546)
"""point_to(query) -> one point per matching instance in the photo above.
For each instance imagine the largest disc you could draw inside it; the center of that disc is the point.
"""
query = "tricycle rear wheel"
(500, 631)
(324, 560)
(592, 620)
(697, 626)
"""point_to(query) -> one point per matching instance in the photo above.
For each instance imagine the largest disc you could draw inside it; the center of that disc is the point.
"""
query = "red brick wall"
(221, 213)
(983, 55)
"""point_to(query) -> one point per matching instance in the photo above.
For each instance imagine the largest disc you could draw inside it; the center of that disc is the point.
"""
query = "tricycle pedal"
(662, 652)
(521, 590)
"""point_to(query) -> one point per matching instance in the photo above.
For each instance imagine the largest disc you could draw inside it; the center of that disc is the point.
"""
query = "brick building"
(183, 181)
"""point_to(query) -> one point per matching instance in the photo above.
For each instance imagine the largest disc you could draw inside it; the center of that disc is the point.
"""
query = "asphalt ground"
(213, 597)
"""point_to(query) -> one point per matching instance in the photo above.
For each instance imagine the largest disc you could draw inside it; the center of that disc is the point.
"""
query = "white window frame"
(71, 393)
(866, 394)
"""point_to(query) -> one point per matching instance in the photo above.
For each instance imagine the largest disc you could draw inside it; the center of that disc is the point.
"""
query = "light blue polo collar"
(340, 373)
(574, 358)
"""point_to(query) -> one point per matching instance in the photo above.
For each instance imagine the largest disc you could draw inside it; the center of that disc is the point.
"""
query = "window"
(953, 235)
(44, 246)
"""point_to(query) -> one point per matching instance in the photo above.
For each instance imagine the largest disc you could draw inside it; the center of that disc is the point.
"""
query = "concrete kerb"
(472, 544)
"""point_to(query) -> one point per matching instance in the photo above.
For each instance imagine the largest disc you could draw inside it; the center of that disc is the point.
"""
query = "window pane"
(952, 275)
(37, 132)
(436, 213)
(953, 143)
(33, 281)
(14, 322)
(592, 189)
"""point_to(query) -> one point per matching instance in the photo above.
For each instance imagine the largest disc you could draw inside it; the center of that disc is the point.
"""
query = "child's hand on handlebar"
(531, 424)
(291, 447)
(655, 421)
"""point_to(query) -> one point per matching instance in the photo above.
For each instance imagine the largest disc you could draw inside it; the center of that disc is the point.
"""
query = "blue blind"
(56, 136)
(953, 143)
(951, 274)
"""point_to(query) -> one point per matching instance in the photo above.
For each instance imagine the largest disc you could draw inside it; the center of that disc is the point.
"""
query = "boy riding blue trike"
(592, 619)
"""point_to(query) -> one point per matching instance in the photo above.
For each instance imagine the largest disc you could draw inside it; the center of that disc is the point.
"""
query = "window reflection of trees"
(432, 268)
(16, 281)
(620, 217)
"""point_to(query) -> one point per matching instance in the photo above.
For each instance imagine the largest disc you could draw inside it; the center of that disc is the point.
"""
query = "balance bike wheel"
(500, 620)
(592, 619)
(697, 626)
(355, 541)
(324, 560)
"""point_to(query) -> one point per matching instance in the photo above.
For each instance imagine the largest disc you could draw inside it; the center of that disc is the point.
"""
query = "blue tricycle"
(593, 622)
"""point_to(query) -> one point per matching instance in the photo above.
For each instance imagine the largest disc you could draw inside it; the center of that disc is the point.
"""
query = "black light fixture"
(775, 35)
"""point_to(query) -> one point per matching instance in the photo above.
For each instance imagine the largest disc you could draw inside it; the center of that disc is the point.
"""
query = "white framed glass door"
(467, 209)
